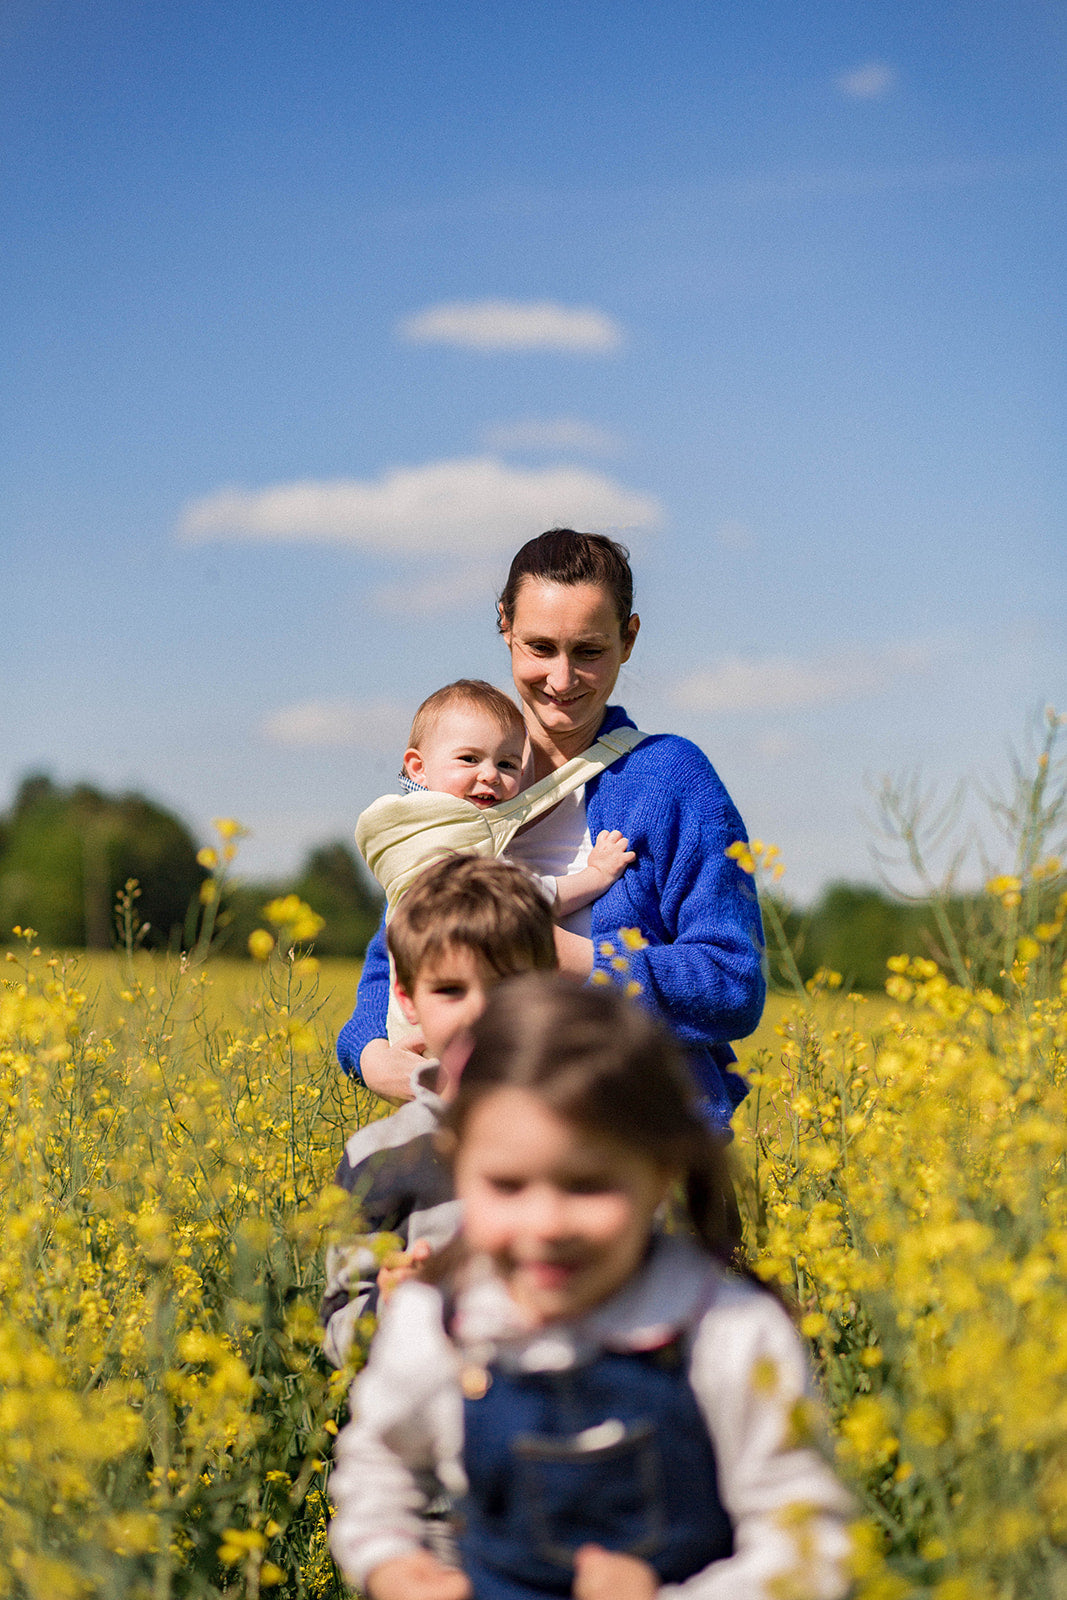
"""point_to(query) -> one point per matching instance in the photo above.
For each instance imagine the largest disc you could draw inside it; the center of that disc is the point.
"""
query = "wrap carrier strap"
(400, 834)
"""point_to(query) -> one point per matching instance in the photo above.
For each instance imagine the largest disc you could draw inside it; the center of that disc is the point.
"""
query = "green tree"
(854, 928)
(337, 885)
(333, 881)
(66, 853)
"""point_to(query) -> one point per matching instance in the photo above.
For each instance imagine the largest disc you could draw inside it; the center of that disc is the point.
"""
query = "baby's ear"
(413, 765)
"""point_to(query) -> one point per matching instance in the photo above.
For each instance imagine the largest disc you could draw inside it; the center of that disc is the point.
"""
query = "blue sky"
(313, 313)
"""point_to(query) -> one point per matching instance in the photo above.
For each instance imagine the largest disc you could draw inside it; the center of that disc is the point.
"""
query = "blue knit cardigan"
(702, 970)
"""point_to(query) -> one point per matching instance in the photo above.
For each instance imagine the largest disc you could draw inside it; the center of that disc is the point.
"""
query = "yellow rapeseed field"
(169, 1131)
(165, 1413)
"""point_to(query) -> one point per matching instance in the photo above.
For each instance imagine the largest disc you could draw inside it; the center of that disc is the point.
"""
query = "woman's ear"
(629, 635)
(503, 625)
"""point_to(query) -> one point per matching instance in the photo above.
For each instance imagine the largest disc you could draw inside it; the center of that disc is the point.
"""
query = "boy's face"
(469, 755)
(447, 997)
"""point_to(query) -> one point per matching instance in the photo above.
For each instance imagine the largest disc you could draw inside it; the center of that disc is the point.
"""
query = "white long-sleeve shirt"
(748, 1371)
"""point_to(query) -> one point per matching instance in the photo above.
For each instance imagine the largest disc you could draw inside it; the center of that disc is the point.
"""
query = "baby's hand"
(399, 1265)
(602, 1575)
(418, 1576)
(611, 854)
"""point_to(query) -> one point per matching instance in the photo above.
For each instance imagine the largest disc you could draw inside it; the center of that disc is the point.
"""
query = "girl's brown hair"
(563, 556)
(605, 1065)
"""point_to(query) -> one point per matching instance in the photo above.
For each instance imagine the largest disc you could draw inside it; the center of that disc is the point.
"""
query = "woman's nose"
(560, 673)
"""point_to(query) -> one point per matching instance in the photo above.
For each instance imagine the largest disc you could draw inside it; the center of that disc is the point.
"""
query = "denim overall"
(614, 1453)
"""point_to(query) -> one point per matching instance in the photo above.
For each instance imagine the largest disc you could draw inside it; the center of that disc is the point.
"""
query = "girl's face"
(566, 646)
(565, 1215)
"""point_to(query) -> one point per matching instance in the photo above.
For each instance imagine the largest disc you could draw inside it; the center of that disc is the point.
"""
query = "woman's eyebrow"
(547, 638)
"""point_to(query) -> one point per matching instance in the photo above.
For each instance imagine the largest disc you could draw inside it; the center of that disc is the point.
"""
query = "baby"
(468, 740)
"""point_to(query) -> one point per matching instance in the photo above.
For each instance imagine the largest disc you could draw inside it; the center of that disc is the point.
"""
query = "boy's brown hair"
(488, 907)
(466, 692)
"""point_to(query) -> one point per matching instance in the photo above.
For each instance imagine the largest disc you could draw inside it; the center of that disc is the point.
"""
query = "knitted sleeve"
(702, 968)
(367, 1021)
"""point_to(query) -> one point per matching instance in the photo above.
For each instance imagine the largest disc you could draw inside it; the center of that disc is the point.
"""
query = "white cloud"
(776, 683)
(871, 81)
(470, 507)
(337, 724)
(513, 325)
(552, 433)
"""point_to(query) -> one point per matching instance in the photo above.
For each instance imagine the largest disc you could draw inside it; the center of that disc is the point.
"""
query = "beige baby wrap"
(400, 834)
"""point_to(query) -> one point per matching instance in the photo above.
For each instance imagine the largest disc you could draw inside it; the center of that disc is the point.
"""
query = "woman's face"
(566, 646)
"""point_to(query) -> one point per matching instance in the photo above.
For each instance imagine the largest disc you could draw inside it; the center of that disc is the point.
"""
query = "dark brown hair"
(488, 907)
(605, 1065)
(474, 692)
(563, 556)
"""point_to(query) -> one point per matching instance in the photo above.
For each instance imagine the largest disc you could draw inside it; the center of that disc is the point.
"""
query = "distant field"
(233, 986)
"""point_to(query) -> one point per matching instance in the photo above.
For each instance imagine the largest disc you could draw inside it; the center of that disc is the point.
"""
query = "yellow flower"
(260, 944)
(1006, 888)
(740, 852)
(866, 1432)
(294, 917)
(238, 1543)
(228, 828)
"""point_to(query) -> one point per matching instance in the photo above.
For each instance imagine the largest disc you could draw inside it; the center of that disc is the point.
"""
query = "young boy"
(464, 924)
(468, 740)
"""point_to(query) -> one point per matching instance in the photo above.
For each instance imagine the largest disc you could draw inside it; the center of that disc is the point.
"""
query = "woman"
(567, 617)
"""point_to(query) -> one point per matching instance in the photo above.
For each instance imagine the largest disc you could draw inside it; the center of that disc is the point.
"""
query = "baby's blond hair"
(473, 692)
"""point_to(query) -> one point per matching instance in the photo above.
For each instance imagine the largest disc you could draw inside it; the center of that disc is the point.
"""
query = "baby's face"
(469, 755)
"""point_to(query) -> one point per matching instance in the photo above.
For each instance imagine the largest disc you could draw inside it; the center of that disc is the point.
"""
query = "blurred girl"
(613, 1411)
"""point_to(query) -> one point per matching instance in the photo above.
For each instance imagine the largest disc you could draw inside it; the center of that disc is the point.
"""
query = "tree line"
(67, 853)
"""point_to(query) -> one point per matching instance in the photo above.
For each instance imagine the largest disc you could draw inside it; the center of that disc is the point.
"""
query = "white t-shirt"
(555, 845)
